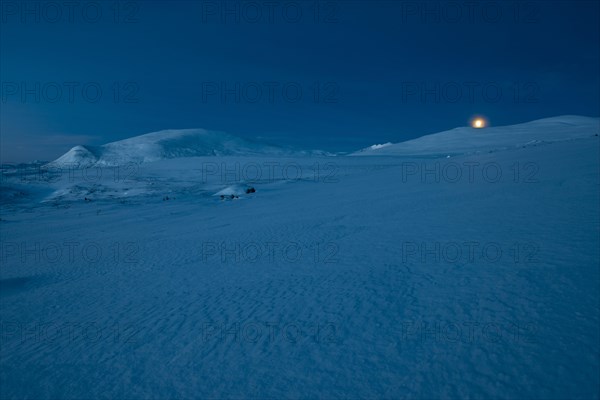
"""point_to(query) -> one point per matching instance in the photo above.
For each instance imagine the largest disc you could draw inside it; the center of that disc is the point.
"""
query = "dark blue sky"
(332, 75)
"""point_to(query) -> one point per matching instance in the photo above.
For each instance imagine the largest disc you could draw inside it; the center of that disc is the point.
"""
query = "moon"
(478, 123)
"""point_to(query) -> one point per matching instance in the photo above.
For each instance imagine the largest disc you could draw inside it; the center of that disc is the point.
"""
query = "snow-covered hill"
(465, 140)
(163, 145)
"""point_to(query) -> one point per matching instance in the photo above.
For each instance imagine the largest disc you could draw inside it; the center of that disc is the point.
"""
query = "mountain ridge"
(176, 143)
(165, 144)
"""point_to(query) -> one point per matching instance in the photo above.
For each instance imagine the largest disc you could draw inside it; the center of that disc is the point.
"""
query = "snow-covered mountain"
(164, 145)
(170, 144)
(466, 140)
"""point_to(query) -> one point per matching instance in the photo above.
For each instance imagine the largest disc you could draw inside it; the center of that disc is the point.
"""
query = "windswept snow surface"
(474, 276)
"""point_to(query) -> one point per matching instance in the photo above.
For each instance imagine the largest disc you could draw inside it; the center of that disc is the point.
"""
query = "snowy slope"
(165, 144)
(470, 140)
(360, 277)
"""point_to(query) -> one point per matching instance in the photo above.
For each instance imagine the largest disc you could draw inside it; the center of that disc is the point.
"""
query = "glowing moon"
(478, 123)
